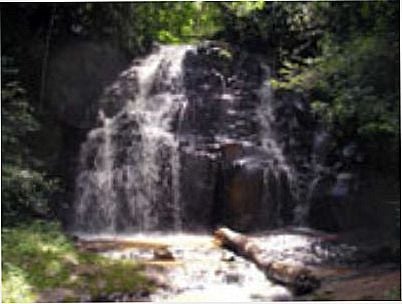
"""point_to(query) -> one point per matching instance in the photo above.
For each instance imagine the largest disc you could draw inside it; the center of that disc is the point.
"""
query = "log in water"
(299, 278)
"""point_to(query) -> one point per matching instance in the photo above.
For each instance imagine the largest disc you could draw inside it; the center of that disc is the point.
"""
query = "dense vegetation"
(349, 82)
(343, 57)
(27, 187)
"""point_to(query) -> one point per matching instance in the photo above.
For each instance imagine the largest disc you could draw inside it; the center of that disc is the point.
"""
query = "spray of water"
(129, 167)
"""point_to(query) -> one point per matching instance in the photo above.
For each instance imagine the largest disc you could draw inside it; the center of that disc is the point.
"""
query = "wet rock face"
(244, 189)
(199, 177)
(77, 77)
(191, 138)
(223, 121)
(222, 90)
(186, 139)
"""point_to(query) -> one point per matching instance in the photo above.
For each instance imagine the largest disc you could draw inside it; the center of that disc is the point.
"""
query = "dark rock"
(305, 284)
(77, 76)
(144, 293)
(385, 254)
(231, 258)
(232, 278)
(343, 186)
(163, 254)
(231, 151)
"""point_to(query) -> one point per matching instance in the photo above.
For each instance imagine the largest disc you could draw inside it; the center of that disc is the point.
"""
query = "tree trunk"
(299, 278)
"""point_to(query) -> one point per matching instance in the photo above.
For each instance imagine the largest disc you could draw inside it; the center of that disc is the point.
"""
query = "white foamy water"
(203, 272)
(131, 163)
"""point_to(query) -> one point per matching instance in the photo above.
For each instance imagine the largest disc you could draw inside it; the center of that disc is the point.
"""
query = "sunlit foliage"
(38, 256)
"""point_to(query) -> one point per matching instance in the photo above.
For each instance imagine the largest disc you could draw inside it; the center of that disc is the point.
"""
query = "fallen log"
(299, 278)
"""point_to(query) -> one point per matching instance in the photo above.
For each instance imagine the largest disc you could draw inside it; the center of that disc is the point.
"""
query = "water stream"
(202, 271)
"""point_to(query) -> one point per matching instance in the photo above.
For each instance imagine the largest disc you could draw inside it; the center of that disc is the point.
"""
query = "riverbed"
(192, 267)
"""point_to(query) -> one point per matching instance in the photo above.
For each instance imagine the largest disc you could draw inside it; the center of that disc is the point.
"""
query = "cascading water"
(278, 166)
(129, 167)
(183, 139)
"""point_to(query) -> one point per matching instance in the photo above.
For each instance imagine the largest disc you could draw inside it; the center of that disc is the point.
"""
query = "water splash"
(129, 167)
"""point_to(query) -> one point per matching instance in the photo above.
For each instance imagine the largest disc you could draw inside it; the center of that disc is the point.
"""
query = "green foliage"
(278, 30)
(15, 287)
(25, 189)
(17, 113)
(176, 22)
(167, 37)
(353, 84)
(38, 256)
(244, 8)
(393, 294)
(25, 193)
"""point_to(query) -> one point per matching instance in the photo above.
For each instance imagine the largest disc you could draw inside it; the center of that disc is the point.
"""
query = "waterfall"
(129, 167)
(283, 178)
(185, 139)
